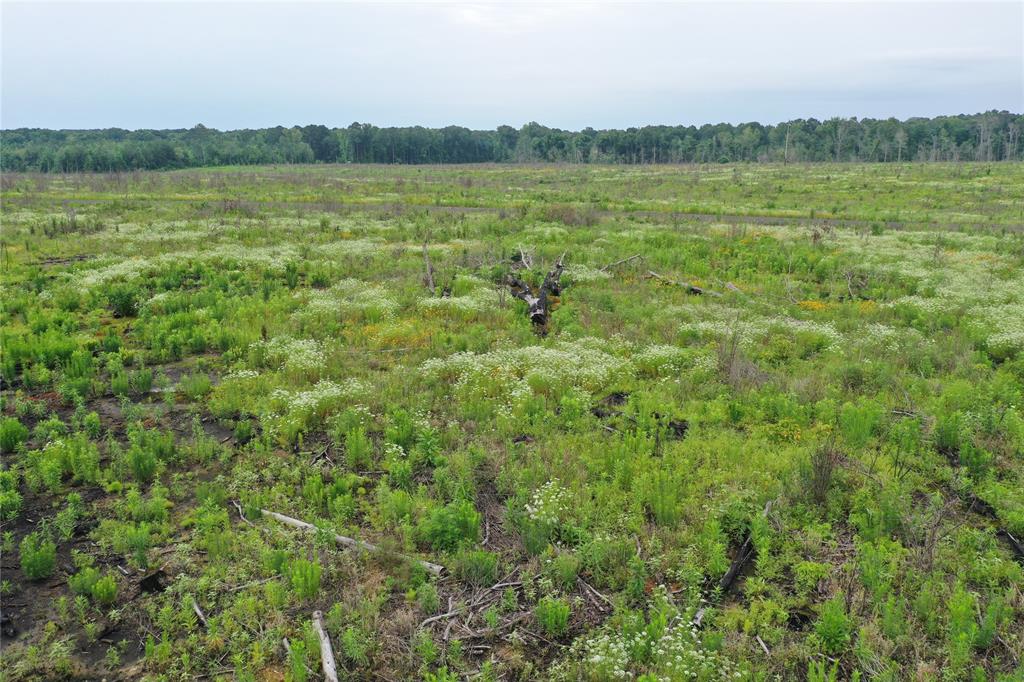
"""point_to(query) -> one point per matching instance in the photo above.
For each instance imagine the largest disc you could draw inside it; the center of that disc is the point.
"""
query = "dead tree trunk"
(539, 304)
(428, 271)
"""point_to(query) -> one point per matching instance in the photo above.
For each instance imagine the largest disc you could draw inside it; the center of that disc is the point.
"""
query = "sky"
(231, 65)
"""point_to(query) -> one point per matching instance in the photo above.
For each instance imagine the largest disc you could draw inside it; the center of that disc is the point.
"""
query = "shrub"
(243, 431)
(104, 590)
(553, 616)
(426, 597)
(304, 576)
(142, 462)
(141, 380)
(819, 472)
(92, 426)
(564, 569)
(194, 386)
(120, 384)
(123, 300)
(297, 662)
(859, 422)
(660, 492)
(12, 434)
(402, 430)
(82, 458)
(448, 528)
(477, 567)
(83, 581)
(135, 540)
(10, 497)
(38, 556)
(834, 628)
(358, 450)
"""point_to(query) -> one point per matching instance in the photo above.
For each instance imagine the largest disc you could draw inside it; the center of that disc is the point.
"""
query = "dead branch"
(525, 260)
(763, 645)
(199, 613)
(346, 541)
(593, 594)
(621, 262)
(597, 594)
(443, 616)
(326, 652)
(1014, 542)
(241, 515)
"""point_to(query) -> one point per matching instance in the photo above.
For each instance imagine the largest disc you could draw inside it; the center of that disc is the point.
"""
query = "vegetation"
(772, 427)
(989, 136)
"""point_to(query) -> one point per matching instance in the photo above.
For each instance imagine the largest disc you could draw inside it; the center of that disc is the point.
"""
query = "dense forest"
(990, 136)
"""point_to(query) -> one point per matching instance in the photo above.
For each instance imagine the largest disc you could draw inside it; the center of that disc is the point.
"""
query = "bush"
(858, 422)
(194, 386)
(142, 462)
(304, 576)
(477, 567)
(135, 540)
(834, 628)
(452, 526)
(104, 591)
(123, 300)
(660, 492)
(38, 556)
(92, 426)
(141, 380)
(297, 662)
(12, 434)
(358, 450)
(402, 430)
(83, 581)
(120, 385)
(564, 570)
(553, 616)
(10, 497)
(82, 458)
(243, 431)
(426, 597)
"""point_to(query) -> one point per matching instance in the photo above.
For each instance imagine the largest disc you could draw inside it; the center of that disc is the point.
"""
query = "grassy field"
(772, 429)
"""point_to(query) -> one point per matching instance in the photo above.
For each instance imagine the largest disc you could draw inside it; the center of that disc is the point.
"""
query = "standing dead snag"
(539, 304)
(428, 276)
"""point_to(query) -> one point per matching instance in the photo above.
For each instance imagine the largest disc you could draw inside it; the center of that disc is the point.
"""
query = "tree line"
(989, 136)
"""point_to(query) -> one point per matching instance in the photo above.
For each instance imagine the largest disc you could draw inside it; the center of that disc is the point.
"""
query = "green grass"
(846, 405)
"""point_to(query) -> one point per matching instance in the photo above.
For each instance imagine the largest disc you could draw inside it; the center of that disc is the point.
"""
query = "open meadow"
(514, 422)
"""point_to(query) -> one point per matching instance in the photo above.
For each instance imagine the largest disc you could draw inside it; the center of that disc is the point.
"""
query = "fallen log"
(743, 555)
(690, 288)
(436, 569)
(326, 652)
(538, 305)
(621, 262)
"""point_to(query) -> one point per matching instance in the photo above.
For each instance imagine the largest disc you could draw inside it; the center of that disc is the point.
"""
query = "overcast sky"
(255, 64)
